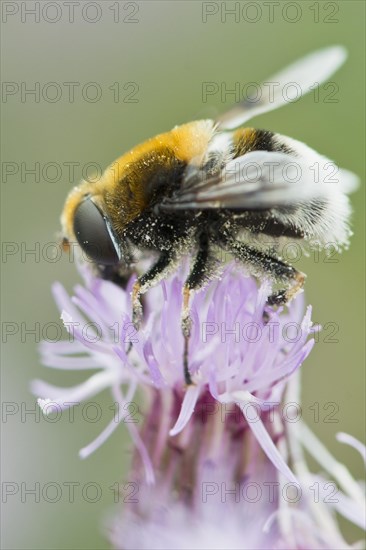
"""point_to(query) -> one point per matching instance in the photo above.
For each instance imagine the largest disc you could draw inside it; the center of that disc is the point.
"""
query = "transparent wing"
(261, 180)
(286, 86)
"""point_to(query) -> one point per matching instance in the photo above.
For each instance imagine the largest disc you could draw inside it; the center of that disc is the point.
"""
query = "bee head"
(84, 220)
(94, 233)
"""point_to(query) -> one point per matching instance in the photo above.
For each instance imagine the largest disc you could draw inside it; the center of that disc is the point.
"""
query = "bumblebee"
(212, 185)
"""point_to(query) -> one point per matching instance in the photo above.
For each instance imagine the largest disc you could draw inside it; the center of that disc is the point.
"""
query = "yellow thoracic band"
(186, 143)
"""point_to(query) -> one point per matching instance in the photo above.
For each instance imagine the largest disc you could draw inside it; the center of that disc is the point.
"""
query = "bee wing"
(286, 86)
(261, 180)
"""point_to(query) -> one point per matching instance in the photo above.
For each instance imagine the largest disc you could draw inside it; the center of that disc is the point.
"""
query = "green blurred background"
(168, 51)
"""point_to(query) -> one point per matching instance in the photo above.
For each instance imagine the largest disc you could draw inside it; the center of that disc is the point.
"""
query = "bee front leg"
(164, 264)
(204, 266)
(186, 325)
(117, 275)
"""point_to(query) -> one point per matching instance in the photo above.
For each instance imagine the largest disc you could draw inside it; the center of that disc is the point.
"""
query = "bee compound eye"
(94, 234)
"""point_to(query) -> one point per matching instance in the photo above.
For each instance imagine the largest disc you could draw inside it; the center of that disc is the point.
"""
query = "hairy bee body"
(206, 186)
(132, 191)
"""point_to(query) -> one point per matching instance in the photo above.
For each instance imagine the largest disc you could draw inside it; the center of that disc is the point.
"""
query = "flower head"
(203, 450)
(241, 353)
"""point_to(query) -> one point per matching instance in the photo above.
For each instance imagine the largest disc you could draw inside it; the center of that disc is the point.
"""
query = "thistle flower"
(201, 450)
(237, 355)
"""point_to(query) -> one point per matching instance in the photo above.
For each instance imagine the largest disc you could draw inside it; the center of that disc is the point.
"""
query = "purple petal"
(186, 411)
(269, 447)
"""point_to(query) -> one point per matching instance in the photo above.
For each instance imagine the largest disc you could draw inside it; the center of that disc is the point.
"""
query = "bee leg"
(204, 265)
(259, 262)
(115, 275)
(285, 296)
(150, 278)
(136, 304)
(186, 325)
